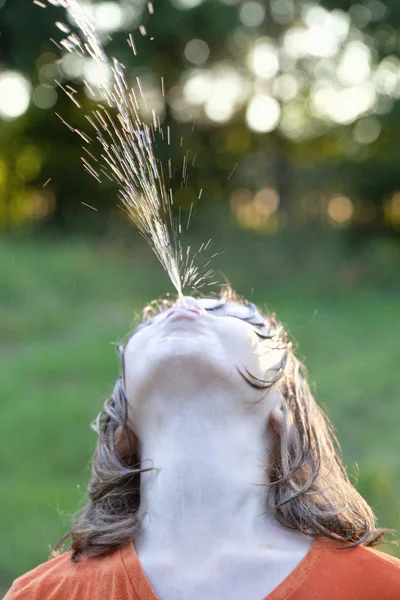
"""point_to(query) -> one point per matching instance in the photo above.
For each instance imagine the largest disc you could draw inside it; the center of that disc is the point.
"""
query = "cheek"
(136, 359)
(138, 344)
(135, 385)
(244, 348)
(238, 340)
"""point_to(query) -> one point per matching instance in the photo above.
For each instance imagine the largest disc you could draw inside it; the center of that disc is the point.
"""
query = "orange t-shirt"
(359, 573)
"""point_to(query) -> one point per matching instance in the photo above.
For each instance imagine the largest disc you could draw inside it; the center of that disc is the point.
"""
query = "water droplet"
(62, 27)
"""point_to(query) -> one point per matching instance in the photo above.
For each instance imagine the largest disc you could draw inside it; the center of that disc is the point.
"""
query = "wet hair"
(308, 488)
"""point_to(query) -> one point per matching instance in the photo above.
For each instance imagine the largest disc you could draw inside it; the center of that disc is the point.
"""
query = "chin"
(177, 352)
(179, 361)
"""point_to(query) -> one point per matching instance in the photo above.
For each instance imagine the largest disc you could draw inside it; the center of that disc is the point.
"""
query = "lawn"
(64, 305)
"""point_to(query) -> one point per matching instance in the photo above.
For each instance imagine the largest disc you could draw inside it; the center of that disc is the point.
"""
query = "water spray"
(127, 151)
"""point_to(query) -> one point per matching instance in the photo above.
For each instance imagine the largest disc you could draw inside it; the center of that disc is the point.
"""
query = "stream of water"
(127, 154)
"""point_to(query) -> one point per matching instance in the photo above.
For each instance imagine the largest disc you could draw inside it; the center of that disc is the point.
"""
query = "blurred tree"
(297, 97)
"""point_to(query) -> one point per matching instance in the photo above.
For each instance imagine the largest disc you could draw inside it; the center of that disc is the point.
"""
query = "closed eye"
(253, 318)
(256, 327)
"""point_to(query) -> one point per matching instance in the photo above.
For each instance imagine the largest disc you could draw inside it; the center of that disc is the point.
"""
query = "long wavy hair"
(309, 489)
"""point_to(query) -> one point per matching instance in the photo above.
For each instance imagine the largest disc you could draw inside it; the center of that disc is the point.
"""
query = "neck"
(210, 451)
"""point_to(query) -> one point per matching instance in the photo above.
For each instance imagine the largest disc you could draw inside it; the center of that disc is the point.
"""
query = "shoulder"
(386, 558)
(373, 558)
(61, 579)
(365, 569)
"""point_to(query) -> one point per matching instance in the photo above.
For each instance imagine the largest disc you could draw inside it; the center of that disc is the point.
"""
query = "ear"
(276, 417)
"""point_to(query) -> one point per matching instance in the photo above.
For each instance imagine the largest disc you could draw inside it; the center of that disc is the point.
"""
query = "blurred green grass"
(63, 306)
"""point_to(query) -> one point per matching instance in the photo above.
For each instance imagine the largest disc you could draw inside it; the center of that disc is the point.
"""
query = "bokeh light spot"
(354, 66)
(282, 11)
(186, 4)
(263, 59)
(96, 73)
(256, 212)
(392, 210)
(263, 113)
(252, 13)
(15, 94)
(196, 52)
(378, 9)
(44, 96)
(108, 16)
(178, 105)
(218, 109)
(342, 105)
(48, 73)
(72, 65)
(266, 200)
(360, 15)
(387, 76)
(340, 209)
(198, 87)
(285, 87)
(366, 131)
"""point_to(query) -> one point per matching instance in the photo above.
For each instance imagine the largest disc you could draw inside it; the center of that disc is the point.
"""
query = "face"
(201, 344)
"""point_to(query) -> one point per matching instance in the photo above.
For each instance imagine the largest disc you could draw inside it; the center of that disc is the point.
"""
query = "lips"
(186, 312)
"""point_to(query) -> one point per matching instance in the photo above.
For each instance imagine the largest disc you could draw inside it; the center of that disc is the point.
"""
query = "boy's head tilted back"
(213, 417)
